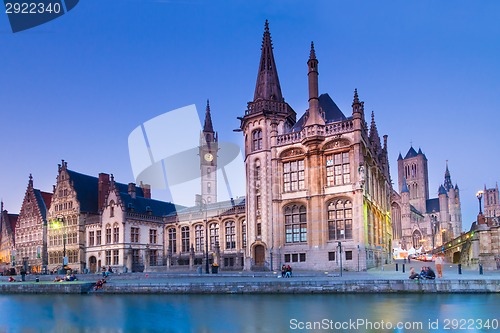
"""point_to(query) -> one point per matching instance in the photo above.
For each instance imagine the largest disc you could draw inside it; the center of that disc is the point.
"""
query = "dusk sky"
(76, 87)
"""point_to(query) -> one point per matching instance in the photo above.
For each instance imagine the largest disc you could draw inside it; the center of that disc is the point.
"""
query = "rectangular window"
(152, 236)
(293, 176)
(295, 257)
(302, 257)
(331, 256)
(338, 169)
(259, 229)
(287, 257)
(348, 255)
(116, 257)
(135, 256)
(153, 257)
(116, 234)
(98, 237)
(108, 235)
(108, 257)
(134, 235)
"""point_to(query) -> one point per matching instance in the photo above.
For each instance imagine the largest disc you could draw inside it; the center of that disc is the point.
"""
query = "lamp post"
(340, 256)
(59, 223)
(204, 203)
(433, 229)
(479, 196)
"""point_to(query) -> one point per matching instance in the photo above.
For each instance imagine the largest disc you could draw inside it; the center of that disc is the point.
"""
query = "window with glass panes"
(185, 239)
(116, 257)
(293, 176)
(172, 240)
(198, 238)
(153, 257)
(338, 169)
(243, 234)
(256, 140)
(214, 235)
(98, 237)
(230, 235)
(108, 234)
(152, 236)
(116, 233)
(134, 235)
(340, 219)
(295, 224)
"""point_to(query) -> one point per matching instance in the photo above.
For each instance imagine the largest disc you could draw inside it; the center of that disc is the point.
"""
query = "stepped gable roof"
(432, 205)
(143, 205)
(86, 188)
(328, 107)
(411, 153)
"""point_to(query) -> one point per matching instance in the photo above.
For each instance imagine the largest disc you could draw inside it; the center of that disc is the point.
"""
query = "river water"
(250, 313)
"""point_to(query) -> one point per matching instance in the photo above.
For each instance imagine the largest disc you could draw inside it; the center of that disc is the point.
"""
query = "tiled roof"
(41, 203)
(228, 204)
(143, 205)
(414, 210)
(328, 106)
(13, 222)
(411, 153)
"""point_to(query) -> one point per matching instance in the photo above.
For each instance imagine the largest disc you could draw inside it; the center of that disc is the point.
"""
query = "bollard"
(403, 268)
(397, 268)
(480, 269)
(37, 279)
(459, 268)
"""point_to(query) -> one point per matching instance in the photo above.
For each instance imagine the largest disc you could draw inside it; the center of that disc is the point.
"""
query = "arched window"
(243, 234)
(340, 220)
(257, 140)
(214, 235)
(172, 240)
(230, 235)
(295, 224)
(185, 239)
(112, 209)
(198, 237)
(417, 237)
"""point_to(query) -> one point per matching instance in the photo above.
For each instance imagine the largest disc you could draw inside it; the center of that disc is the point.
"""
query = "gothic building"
(31, 230)
(491, 205)
(317, 187)
(420, 222)
(7, 239)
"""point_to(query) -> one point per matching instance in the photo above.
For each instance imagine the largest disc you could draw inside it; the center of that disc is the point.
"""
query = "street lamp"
(204, 203)
(479, 196)
(340, 255)
(58, 224)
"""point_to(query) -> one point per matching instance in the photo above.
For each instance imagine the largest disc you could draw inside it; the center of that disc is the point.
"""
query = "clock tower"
(208, 160)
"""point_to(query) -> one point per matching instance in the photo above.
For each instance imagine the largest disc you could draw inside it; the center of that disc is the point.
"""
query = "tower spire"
(447, 178)
(374, 137)
(268, 85)
(314, 117)
(208, 127)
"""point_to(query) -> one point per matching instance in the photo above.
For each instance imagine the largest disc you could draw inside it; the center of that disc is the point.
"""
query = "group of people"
(106, 272)
(425, 273)
(69, 277)
(286, 271)
(99, 284)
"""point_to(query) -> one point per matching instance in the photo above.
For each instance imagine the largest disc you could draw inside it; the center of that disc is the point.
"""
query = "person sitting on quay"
(430, 274)
(283, 271)
(414, 275)
(58, 279)
(288, 273)
(11, 279)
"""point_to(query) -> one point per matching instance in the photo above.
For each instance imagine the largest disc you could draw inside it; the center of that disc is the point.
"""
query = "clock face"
(209, 157)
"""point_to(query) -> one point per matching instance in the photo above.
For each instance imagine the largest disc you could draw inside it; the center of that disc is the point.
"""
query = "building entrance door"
(259, 255)
(93, 264)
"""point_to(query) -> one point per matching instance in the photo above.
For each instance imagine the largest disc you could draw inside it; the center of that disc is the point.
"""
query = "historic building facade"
(31, 230)
(491, 205)
(129, 235)
(421, 223)
(318, 189)
(7, 239)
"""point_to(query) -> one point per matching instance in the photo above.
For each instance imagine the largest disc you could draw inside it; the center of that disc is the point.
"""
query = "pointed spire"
(268, 85)
(400, 157)
(314, 117)
(447, 178)
(356, 98)
(30, 182)
(208, 127)
(374, 137)
(404, 188)
(442, 190)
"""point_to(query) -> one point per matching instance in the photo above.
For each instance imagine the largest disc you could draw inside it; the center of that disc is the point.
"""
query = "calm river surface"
(250, 313)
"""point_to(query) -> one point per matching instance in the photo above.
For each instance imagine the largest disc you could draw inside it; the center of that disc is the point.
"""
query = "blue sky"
(75, 88)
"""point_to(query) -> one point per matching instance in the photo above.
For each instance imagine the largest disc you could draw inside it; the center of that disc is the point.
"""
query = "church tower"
(413, 168)
(208, 160)
(266, 117)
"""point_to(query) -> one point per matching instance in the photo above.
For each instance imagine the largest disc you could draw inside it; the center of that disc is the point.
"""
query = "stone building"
(31, 230)
(7, 239)
(419, 222)
(491, 205)
(129, 234)
(317, 187)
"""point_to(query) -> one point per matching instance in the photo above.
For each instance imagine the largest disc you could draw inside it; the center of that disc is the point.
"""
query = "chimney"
(131, 190)
(103, 189)
(146, 189)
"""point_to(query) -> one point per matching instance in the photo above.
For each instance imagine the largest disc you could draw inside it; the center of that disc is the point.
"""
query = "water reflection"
(238, 313)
